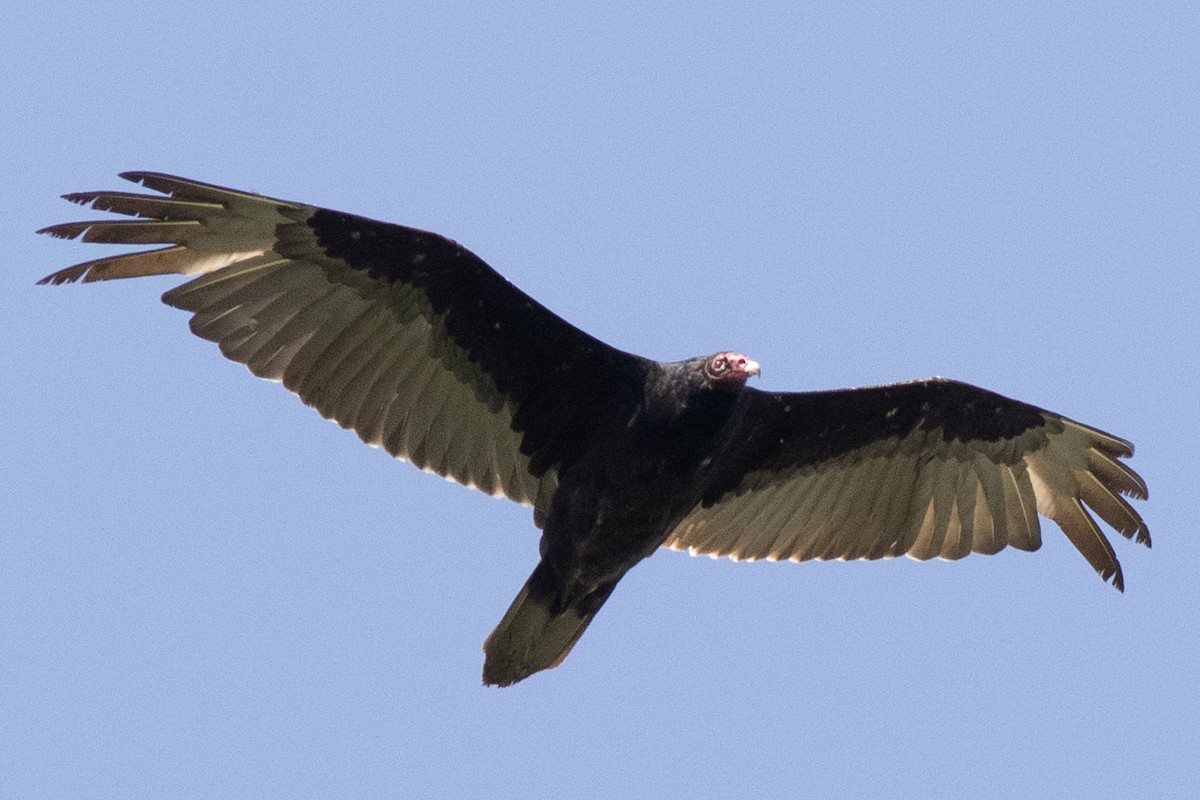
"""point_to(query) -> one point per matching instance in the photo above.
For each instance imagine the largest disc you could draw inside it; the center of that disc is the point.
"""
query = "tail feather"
(536, 633)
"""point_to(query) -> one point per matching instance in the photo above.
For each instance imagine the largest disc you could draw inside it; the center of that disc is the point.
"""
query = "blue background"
(208, 591)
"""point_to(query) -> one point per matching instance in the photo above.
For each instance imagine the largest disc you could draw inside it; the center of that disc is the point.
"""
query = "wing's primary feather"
(928, 468)
(402, 335)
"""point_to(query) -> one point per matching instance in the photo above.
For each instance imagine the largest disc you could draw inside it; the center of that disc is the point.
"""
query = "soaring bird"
(419, 347)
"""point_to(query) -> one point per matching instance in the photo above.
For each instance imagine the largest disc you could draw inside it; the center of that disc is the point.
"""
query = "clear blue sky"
(208, 591)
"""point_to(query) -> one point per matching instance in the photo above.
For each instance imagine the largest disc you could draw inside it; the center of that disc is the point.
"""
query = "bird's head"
(729, 370)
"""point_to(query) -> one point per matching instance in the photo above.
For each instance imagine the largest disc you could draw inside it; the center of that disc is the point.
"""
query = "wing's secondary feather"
(401, 335)
(925, 469)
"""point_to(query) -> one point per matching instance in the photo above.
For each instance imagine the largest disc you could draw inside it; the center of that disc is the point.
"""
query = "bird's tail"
(538, 630)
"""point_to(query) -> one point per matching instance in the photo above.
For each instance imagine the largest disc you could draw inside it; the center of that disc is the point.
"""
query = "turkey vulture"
(421, 348)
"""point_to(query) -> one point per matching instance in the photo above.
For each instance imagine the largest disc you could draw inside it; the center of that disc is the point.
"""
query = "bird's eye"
(720, 364)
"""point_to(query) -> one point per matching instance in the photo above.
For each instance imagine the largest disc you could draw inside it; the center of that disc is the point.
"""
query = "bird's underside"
(421, 348)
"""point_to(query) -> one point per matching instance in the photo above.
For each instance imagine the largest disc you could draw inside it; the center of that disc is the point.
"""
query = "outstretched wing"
(929, 468)
(401, 335)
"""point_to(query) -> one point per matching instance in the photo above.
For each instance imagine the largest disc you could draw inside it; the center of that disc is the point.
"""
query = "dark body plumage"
(421, 348)
(642, 469)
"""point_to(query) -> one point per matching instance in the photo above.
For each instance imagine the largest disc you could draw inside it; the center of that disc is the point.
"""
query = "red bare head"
(730, 369)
